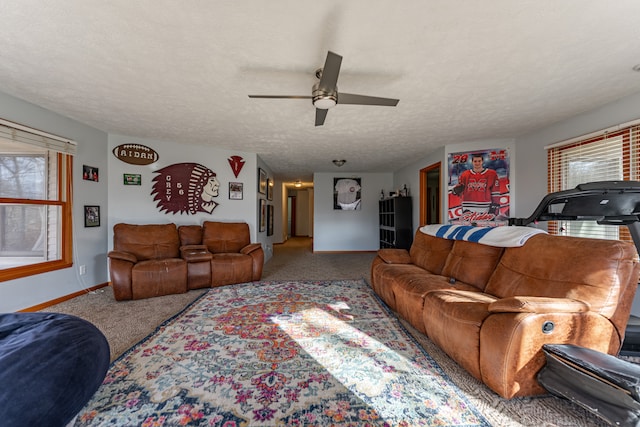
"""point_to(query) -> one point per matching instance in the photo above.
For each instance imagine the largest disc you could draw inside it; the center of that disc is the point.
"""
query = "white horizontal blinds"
(610, 155)
(22, 134)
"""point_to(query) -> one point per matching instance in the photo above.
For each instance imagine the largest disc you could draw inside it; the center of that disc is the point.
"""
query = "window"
(608, 155)
(35, 201)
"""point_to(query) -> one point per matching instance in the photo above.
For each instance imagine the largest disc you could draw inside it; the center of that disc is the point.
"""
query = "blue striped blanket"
(506, 237)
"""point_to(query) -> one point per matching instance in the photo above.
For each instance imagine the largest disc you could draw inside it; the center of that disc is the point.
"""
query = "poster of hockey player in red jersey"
(479, 187)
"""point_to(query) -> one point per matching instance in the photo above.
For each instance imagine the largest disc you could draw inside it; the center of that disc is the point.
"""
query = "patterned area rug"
(287, 353)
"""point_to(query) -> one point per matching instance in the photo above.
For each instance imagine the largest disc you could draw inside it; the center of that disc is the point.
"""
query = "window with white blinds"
(607, 155)
(35, 201)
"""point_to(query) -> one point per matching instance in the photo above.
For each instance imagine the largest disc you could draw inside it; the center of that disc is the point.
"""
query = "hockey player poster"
(479, 187)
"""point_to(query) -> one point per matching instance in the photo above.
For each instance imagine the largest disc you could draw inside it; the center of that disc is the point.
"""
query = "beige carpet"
(125, 323)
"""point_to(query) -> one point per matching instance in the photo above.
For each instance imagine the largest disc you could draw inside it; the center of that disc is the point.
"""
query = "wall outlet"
(82, 269)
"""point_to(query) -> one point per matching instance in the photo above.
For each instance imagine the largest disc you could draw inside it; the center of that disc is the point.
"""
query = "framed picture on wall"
(132, 179)
(263, 215)
(262, 181)
(92, 216)
(346, 194)
(90, 173)
(269, 189)
(270, 220)
(235, 191)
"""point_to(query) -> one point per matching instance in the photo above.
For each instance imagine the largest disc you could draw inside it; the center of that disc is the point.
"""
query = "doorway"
(291, 216)
(430, 203)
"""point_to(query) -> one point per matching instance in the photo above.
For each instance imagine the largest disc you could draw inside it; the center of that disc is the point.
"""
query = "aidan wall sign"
(136, 154)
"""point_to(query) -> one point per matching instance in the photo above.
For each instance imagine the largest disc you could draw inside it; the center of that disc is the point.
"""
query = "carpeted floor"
(125, 323)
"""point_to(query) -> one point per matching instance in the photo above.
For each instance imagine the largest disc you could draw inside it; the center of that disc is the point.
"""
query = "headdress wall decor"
(185, 188)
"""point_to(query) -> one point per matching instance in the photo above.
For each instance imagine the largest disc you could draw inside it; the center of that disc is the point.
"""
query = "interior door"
(430, 195)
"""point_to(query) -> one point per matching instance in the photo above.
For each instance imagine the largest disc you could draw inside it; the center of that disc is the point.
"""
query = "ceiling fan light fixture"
(339, 162)
(324, 102)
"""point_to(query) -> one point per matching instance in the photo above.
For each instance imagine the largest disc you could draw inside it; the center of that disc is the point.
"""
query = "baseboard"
(62, 299)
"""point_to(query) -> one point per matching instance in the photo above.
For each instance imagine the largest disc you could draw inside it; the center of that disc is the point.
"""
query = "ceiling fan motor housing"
(323, 99)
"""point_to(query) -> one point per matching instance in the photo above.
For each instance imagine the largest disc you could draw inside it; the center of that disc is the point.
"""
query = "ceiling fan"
(324, 94)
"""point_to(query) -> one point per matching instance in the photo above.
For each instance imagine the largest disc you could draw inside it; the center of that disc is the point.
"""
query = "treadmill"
(606, 203)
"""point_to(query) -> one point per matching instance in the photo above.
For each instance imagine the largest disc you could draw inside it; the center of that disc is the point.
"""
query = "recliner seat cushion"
(453, 320)
(409, 291)
(230, 268)
(154, 278)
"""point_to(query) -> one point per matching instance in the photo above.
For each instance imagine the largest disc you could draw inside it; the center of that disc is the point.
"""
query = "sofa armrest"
(124, 256)
(250, 248)
(394, 256)
(195, 253)
(527, 304)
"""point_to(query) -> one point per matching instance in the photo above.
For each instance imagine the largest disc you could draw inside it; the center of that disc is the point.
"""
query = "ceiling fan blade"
(350, 98)
(330, 71)
(320, 116)
(280, 96)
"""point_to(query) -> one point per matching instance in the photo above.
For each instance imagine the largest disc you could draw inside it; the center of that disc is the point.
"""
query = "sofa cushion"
(429, 252)
(190, 235)
(589, 270)
(471, 263)
(154, 278)
(384, 275)
(225, 237)
(453, 320)
(410, 288)
(148, 241)
(230, 268)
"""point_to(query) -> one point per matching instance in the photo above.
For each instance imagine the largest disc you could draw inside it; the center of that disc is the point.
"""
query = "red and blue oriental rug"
(288, 353)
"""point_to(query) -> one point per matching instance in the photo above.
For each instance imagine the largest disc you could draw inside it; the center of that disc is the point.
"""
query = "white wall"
(338, 230)
(89, 244)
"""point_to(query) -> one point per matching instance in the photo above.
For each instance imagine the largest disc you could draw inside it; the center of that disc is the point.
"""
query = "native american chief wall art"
(185, 188)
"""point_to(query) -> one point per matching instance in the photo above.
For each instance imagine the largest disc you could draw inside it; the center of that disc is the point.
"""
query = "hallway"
(294, 259)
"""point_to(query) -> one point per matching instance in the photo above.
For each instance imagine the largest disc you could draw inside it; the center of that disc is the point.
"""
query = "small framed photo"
(262, 181)
(269, 220)
(235, 191)
(263, 215)
(92, 216)
(132, 179)
(90, 173)
(269, 189)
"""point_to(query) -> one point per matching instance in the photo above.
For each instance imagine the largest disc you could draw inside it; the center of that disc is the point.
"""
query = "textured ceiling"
(181, 71)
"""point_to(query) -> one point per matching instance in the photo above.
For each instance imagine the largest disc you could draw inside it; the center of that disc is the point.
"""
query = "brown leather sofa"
(160, 259)
(491, 308)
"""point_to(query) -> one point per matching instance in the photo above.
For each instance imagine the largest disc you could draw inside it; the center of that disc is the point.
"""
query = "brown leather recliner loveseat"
(492, 308)
(159, 259)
